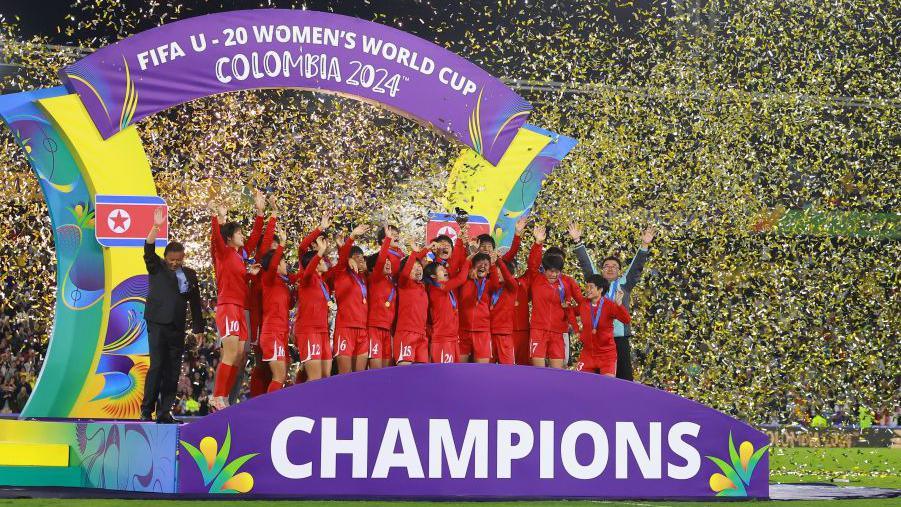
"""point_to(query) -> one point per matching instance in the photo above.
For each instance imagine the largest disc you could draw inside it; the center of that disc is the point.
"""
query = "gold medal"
(364, 301)
(516, 303)
(387, 304)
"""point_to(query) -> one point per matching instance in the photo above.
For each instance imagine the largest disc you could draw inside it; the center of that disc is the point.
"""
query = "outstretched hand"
(540, 233)
(259, 201)
(321, 246)
(648, 235)
(359, 231)
(158, 217)
(575, 232)
(253, 269)
(325, 221)
(521, 224)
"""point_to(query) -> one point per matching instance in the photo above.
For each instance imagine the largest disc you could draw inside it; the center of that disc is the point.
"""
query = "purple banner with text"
(472, 431)
(271, 48)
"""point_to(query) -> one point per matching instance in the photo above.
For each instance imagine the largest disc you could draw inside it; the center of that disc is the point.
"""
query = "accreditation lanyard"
(613, 288)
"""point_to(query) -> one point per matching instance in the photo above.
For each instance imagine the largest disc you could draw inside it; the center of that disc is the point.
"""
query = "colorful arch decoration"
(81, 141)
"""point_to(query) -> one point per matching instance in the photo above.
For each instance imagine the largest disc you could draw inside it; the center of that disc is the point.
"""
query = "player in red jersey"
(383, 297)
(351, 293)
(475, 312)
(395, 253)
(410, 343)
(276, 287)
(550, 306)
(311, 330)
(503, 304)
(261, 374)
(597, 313)
(443, 308)
(233, 268)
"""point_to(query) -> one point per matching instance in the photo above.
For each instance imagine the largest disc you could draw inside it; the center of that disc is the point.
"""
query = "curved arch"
(97, 360)
(279, 48)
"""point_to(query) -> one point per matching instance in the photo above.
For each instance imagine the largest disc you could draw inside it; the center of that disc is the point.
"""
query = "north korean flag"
(443, 223)
(125, 220)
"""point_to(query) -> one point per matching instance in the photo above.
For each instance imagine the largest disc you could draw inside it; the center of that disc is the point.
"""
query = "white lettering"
(506, 450)
(683, 450)
(278, 449)
(568, 449)
(648, 460)
(441, 444)
(408, 457)
(331, 447)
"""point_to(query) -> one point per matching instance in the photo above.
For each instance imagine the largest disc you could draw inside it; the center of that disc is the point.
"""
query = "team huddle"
(444, 302)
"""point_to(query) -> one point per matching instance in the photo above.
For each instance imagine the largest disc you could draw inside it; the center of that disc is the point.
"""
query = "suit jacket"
(165, 302)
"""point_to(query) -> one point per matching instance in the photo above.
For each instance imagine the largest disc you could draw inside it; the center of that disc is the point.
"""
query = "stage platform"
(435, 432)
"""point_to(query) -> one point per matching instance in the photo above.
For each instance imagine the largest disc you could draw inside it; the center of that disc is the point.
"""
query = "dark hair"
(173, 247)
(307, 257)
(443, 238)
(486, 238)
(354, 250)
(371, 259)
(554, 250)
(479, 257)
(229, 229)
(599, 282)
(403, 262)
(551, 261)
(511, 266)
(614, 258)
(430, 271)
(380, 235)
(267, 259)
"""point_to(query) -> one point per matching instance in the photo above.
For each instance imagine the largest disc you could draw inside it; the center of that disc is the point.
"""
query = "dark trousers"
(167, 345)
(623, 358)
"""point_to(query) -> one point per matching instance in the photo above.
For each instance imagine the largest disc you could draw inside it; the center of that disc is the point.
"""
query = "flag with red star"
(125, 220)
(446, 224)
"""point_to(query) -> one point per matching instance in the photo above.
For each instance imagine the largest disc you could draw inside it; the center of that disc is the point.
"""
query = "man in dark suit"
(172, 287)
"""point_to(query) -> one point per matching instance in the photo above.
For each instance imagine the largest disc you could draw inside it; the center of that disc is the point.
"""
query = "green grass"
(860, 467)
(855, 466)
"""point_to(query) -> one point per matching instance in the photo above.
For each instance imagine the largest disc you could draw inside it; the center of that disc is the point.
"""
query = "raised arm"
(310, 270)
(404, 279)
(458, 255)
(460, 278)
(344, 254)
(509, 280)
(270, 273)
(216, 236)
(633, 273)
(382, 258)
(268, 238)
(517, 240)
(308, 241)
(151, 259)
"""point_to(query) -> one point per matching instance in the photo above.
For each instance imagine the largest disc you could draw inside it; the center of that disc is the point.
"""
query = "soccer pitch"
(846, 467)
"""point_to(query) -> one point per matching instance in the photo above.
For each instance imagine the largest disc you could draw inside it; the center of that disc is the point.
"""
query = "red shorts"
(273, 346)
(410, 347)
(444, 352)
(477, 344)
(521, 347)
(545, 344)
(313, 346)
(379, 343)
(231, 321)
(503, 348)
(603, 363)
(351, 341)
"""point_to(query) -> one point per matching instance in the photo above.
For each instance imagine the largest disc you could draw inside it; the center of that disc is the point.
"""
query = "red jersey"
(382, 292)
(351, 291)
(597, 324)
(258, 250)
(277, 294)
(475, 304)
(443, 306)
(394, 257)
(503, 300)
(313, 294)
(229, 267)
(413, 304)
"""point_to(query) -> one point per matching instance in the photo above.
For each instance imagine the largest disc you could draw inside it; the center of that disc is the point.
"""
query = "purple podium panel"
(472, 431)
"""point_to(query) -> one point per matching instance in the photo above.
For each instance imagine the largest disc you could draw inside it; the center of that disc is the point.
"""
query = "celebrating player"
(597, 313)
(383, 295)
(443, 308)
(410, 343)
(352, 295)
(311, 329)
(276, 287)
